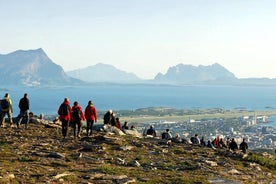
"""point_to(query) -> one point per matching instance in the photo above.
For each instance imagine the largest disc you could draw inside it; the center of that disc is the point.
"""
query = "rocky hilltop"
(39, 155)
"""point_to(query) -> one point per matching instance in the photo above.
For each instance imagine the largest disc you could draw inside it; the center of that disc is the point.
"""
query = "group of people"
(195, 140)
(6, 108)
(75, 115)
(110, 119)
(220, 143)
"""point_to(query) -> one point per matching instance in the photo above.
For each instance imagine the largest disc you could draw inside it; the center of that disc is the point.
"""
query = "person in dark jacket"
(243, 146)
(109, 118)
(151, 131)
(91, 116)
(24, 106)
(64, 112)
(233, 145)
(77, 116)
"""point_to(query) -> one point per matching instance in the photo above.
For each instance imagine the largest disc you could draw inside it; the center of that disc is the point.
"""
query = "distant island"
(35, 68)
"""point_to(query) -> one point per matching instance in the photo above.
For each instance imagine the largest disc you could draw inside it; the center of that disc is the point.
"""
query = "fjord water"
(119, 97)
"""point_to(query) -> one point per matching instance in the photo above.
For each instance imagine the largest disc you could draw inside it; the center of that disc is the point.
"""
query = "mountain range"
(104, 73)
(35, 68)
(32, 68)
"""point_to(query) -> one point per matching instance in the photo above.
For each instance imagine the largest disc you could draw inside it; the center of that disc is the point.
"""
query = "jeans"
(89, 127)
(64, 124)
(3, 114)
(75, 123)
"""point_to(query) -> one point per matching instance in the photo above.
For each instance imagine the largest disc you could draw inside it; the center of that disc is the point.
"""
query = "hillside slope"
(39, 155)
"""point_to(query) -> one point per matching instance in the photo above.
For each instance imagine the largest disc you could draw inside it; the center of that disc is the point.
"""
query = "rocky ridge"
(39, 155)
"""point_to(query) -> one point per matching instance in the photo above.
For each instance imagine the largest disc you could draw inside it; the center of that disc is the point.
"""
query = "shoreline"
(154, 114)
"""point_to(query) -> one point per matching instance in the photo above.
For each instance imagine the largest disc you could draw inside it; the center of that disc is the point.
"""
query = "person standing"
(6, 108)
(91, 117)
(76, 116)
(64, 113)
(24, 106)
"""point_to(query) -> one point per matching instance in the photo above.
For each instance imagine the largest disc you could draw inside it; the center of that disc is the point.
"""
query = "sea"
(46, 100)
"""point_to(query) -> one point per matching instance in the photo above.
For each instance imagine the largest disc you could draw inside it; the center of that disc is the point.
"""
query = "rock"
(120, 161)
(125, 147)
(113, 129)
(234, 171)
(61, 175)
(134, 133)
(56, 155)
(211, 163)
(136, 163)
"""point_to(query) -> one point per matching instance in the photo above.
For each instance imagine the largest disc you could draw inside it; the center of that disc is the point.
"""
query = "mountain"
(32, 68)
(104, 73)
(188, 74)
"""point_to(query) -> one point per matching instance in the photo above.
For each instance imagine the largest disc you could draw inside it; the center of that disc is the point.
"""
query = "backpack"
(76, 114)
(64, 109)
(4, 104)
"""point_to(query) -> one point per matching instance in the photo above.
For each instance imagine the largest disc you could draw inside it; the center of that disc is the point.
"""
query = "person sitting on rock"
(151, 131)
(125, 126)
(222, 144)
(243, 146)
(202, 141)
(117, 123)
(195, 140)
(177, 139)
(133, 128)
(210, 145)
(109, 118)
(167, 135)
(233, 145)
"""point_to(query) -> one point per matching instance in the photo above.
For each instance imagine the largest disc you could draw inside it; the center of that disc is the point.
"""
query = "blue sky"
(145, 36)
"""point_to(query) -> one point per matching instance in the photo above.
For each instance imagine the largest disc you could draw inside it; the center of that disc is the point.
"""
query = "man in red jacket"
(91, 117)
(64, 113)
(76, 117)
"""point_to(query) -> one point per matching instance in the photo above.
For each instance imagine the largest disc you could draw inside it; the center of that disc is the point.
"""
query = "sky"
(145, 37)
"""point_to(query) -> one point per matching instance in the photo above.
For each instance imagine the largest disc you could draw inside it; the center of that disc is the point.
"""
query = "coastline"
(159, 114)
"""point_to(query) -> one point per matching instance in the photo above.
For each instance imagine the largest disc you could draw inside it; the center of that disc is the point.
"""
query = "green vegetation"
(268, 162)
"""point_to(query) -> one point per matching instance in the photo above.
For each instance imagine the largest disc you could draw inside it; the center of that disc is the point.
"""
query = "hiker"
(117, 123)
(210, 145)
(76, 116)
(233, 145)
(24, 105)
(195, 140)
(6, 108)
(91, 116)
(243, 146)
(125, 126)
(177, 138)
(202, 141)
(109, 118)
(222, 144)
(167, 135)
(216, 142)
(151, 131)
(64, 113)
(133, 128)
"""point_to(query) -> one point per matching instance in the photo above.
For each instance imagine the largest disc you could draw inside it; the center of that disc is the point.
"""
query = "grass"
(263, 161)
